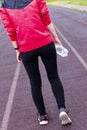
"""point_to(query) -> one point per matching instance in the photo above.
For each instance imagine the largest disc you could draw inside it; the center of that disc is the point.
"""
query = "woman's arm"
(45, 17)
(10, 31)
(44, 12)
(8, 24)
(53, 33)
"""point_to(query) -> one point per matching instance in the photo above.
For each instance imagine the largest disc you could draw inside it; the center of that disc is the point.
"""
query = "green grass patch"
(80, 2)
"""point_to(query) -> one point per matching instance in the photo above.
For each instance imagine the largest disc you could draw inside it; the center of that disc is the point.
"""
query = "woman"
(32, 34)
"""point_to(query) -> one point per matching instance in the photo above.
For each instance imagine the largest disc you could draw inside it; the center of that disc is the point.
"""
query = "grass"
(80, 2)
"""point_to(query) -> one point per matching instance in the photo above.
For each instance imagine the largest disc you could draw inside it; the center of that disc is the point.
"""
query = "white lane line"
(82, 61)
(5, 120)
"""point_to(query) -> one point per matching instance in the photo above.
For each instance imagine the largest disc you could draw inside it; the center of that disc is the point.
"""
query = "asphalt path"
(17, 111)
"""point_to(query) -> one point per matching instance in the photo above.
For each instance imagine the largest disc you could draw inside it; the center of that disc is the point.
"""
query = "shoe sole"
(65, 120)
(43, 122)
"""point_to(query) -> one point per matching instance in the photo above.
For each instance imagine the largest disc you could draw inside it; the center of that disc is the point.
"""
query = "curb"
(70, 6)
(74, 7)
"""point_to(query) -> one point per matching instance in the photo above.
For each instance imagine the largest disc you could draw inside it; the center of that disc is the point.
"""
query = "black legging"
(30, 61)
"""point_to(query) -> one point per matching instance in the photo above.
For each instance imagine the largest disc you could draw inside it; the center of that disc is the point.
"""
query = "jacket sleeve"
(44, 13)
(8, 24)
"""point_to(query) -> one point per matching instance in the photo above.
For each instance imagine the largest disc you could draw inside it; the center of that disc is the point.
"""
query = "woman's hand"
(15, 45)
(56, 39)
(18, 57)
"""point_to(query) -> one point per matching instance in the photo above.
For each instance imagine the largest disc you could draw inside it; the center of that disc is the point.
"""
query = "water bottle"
(61, 50)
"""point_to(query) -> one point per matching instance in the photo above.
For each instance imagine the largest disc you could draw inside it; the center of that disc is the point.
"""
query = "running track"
(17, 111)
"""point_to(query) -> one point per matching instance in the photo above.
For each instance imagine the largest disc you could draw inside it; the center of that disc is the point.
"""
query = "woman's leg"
(30, 61)
(48, 55)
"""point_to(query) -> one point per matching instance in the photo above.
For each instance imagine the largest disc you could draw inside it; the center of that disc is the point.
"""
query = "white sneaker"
(65, 119)
(43, 120)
